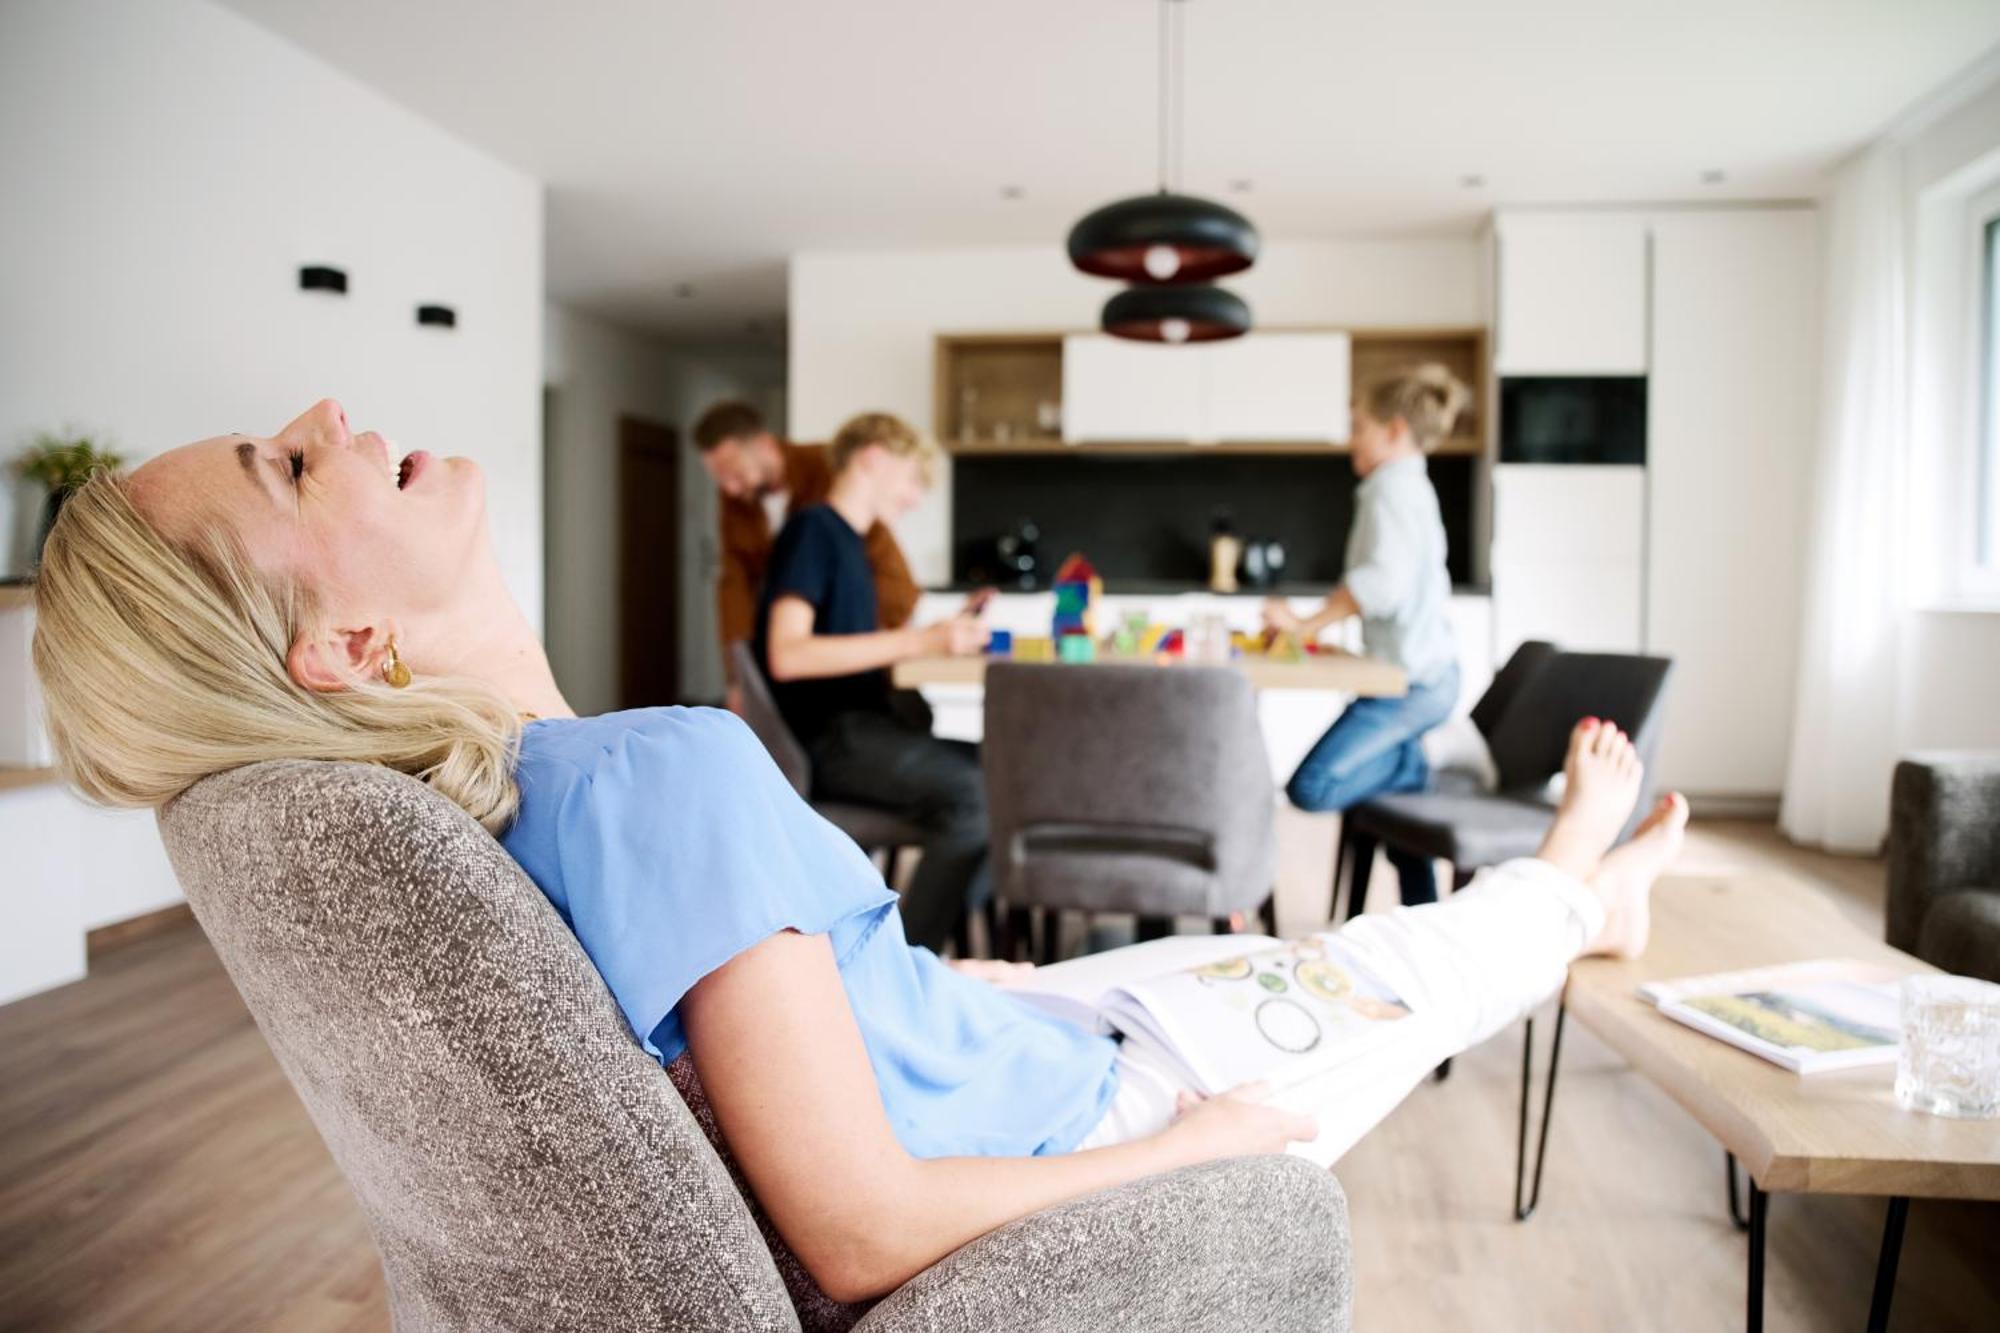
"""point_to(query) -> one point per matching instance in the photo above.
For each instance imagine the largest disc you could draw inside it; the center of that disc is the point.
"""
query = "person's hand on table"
(977, 602)
(1279, 616)
(957, 636)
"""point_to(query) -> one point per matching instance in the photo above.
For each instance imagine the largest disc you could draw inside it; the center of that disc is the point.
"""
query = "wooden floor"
(157, 1173)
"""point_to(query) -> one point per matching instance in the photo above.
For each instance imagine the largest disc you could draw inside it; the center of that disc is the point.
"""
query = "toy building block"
(1079, 592)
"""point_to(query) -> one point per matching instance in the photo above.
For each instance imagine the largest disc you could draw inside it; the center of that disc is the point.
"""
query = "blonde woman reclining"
(309, 595)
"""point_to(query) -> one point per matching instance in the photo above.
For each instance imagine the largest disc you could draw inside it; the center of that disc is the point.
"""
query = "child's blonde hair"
(892, 433)
(1428, 398)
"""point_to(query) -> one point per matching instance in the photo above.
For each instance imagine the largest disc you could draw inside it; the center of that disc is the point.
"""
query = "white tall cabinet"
(1729, 436)
(1699, 554)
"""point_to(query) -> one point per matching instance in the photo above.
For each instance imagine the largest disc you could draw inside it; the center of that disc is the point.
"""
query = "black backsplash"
(1148, 517)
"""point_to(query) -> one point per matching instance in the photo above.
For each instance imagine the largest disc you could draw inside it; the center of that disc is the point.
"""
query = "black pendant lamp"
(1168, 244)
(1196, 313)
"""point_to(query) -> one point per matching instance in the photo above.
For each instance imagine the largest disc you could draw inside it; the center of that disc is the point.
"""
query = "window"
(1986, 518)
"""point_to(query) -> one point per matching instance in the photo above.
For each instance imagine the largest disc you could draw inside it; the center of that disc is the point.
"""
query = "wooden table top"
(1343, 673)
(1837, 1133)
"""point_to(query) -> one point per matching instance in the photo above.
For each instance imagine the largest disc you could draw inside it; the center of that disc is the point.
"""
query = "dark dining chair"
(1137, 790)
(1526, 718)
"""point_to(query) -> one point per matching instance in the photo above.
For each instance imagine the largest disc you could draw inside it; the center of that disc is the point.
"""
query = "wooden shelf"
(11, 778)
(1459, 446)
(1009, 377)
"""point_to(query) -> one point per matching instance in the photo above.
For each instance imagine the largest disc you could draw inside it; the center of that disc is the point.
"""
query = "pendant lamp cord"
(1173, 94)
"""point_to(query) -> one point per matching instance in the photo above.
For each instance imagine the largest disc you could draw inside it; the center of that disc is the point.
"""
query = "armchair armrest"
(1944, 834)
(1247, 1243)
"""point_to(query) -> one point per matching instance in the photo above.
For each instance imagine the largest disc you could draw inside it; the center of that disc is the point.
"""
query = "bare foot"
(1601, 773)
(1624, 878)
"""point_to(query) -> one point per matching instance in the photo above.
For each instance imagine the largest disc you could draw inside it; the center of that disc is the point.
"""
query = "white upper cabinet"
(1272, 387)
(1115, 389)
(1267, 387)
(1572, 294)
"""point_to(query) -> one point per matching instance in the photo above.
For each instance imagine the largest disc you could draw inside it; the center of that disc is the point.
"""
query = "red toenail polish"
(1590, 722)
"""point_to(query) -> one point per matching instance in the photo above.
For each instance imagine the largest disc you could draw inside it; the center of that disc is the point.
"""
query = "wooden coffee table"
(1838, 1133)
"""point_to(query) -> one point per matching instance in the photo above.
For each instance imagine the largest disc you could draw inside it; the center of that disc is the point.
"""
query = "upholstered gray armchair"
(525, 1166)
(1944, 862)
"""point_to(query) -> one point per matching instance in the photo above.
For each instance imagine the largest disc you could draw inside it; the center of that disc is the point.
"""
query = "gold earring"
(394, 670)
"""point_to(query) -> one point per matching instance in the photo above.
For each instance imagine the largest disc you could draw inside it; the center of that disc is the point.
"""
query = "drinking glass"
(1949, 1061)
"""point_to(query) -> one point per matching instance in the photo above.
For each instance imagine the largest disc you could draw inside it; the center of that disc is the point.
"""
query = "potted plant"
(60, 464)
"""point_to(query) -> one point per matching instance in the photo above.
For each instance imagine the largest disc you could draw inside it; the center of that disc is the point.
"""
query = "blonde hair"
(162, 662)
(1428, 398)
(891, 432)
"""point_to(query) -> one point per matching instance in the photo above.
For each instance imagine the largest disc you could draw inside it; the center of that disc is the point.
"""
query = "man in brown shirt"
(763, 482)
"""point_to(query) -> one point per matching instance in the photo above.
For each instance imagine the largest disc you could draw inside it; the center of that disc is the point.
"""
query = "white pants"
(1467, 967)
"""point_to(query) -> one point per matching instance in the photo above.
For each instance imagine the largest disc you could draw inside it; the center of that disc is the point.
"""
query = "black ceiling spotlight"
(438, 316)
(1191, 313)
(320, 278)
(1167, 239)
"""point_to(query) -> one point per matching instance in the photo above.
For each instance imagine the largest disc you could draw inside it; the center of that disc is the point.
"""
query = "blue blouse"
(670, 843)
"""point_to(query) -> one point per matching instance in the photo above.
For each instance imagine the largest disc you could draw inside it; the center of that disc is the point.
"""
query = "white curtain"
(1845, 729)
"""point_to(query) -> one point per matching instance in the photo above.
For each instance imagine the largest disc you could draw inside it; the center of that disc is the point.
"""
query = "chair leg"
(1361, 867)
(1050, 920)
(1153, 928)
(1267, 913)
(892, 861)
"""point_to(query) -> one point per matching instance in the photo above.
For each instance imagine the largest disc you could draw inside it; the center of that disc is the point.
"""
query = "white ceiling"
(703, 141)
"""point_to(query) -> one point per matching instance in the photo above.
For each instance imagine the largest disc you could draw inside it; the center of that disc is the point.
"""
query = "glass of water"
(1949, 1063)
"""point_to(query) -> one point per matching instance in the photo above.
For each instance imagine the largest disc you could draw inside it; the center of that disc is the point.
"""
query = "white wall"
(596, 373)
(168, 166)
(864, 323)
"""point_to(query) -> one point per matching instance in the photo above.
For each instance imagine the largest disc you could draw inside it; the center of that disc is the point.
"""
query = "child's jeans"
(1372, 749)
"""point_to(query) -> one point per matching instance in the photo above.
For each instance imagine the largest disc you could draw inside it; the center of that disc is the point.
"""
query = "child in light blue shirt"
(1395, 581)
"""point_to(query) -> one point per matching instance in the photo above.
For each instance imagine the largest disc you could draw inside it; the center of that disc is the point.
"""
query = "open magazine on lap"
(1222, 1010)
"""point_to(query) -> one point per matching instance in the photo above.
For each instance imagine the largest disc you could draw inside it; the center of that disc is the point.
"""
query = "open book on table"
(1811, 1017)
(1222, 1010)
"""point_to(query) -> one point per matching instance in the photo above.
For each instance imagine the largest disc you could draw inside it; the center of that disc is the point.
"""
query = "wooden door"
(649, 529)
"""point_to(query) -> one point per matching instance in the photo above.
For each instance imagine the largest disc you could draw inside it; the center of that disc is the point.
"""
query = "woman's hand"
(1235, 1124)
(1279, 616)
(992, 970)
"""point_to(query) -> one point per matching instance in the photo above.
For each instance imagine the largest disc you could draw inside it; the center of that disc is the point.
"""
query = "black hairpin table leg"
(1753, 1319)
(1525, 1200)
(1885, 1267)
(1735, 1208)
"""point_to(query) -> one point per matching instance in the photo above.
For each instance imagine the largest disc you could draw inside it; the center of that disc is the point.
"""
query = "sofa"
(1944, 862)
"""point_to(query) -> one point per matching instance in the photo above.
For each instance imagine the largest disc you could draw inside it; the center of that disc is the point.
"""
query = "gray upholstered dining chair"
(1128, 789)
(873, 828)
(1545, 692)
(525, 1166)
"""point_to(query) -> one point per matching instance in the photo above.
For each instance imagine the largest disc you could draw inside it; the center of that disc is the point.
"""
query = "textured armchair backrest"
(1174, 752)
(523, 1163)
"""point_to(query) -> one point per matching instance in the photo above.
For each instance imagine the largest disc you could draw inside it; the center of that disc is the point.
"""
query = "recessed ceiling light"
(1242, 185)
(685, 291)
(1472, 181)
(1012, 192)
(1714, 176)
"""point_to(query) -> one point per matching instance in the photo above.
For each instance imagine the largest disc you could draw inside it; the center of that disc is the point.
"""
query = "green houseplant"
(60, 464)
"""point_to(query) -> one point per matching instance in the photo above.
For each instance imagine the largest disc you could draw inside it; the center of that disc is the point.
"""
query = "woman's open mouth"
(413, 464)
